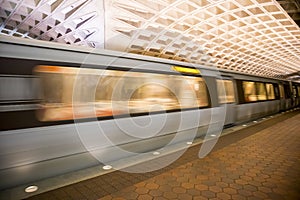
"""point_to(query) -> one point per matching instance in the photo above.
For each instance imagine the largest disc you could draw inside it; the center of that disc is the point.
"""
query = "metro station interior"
(150, 99)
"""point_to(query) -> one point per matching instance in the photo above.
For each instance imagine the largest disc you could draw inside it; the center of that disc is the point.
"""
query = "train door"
(288, 96)
(226, 96)
(282, 97)
(298, 90)
(295, 95)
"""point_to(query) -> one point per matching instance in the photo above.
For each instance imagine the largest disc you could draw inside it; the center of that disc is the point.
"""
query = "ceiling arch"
(252, 36)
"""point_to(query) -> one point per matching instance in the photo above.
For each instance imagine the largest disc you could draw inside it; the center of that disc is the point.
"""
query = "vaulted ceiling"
(253, 36)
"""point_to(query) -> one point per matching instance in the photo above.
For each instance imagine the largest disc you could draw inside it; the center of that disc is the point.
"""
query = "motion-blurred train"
(49, 92)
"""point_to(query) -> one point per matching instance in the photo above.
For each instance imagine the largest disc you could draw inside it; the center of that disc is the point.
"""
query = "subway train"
(62, 106)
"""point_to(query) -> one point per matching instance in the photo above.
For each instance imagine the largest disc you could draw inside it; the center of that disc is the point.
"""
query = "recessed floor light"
(107, 167)
(31, 188)
(189, 143)
(156, 153)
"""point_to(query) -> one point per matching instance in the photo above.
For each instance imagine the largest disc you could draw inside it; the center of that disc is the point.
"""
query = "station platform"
(259, 161)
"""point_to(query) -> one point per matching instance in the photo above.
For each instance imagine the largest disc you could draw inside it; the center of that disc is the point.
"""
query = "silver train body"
(43, 134)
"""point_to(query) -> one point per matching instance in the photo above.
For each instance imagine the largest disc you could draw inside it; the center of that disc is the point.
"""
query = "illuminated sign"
(186, 70)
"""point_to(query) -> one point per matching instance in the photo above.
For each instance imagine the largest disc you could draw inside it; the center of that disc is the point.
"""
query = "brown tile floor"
(259, 162)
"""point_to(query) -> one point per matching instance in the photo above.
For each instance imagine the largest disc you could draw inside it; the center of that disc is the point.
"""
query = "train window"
(249, 91)
(261, 91)
(98, 93)
(270, 91)
(225, 95)
(281, 91)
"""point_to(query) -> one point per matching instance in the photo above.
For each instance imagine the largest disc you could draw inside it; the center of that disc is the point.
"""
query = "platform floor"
(258, 162)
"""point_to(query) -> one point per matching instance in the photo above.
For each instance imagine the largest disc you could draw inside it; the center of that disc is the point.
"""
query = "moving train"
(55, 99)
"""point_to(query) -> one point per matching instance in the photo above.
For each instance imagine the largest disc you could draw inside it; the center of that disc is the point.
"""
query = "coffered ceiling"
(252, 36)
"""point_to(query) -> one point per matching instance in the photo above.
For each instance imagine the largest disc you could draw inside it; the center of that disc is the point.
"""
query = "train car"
(65, 108)
(256, 97)
(286, 95)
(296, 94)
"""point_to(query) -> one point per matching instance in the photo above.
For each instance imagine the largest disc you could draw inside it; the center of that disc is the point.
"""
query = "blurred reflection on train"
(44, 89)
(114, 92)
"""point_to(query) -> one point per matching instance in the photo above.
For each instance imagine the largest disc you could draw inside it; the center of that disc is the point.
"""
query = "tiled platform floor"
(259, 162)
